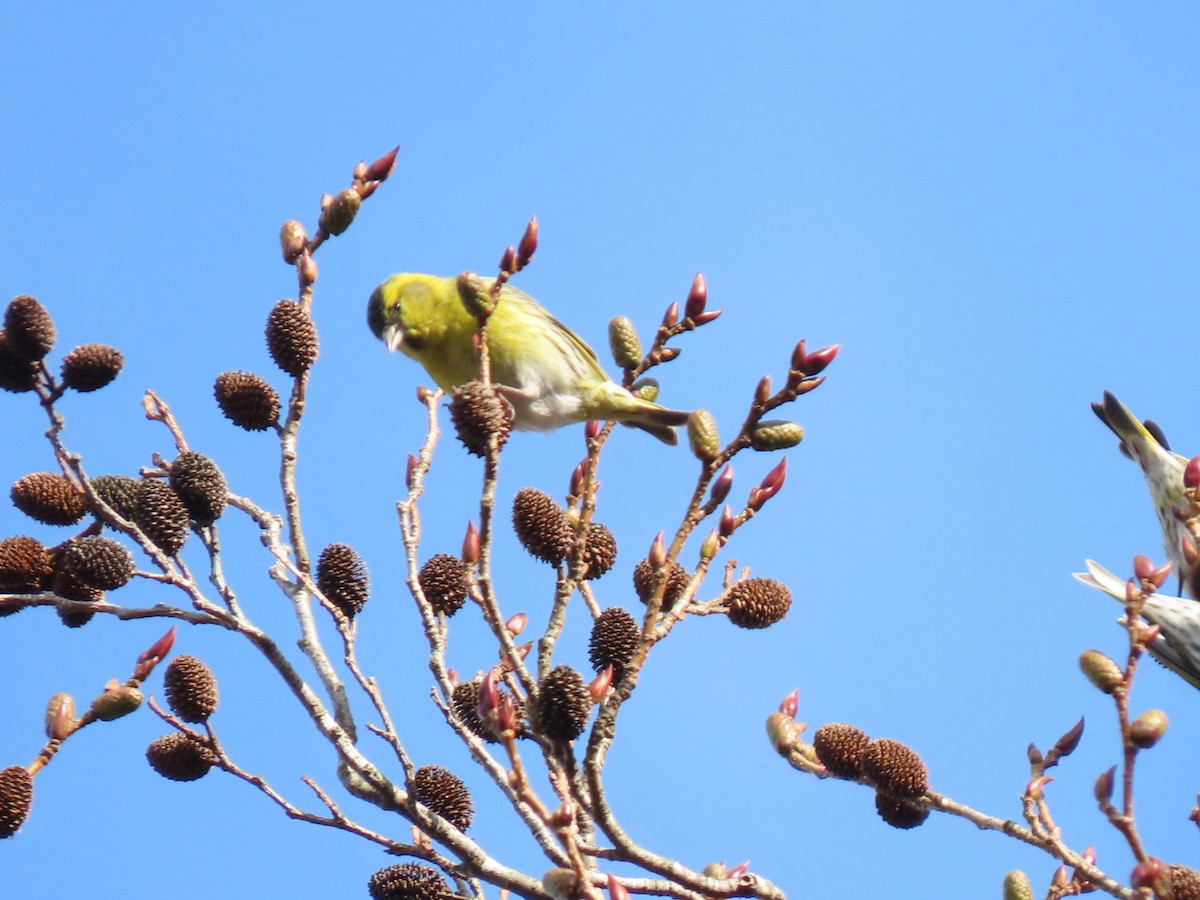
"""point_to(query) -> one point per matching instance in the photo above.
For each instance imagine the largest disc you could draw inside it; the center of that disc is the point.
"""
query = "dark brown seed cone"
(247, 400)
(840, 748)
(97, 562)
(615, 638)
(291, 337)
(48, 497)
(91, 367)
(25, 566)
(895, 769)
(191, 689)
(200, 485)
(342, 577)
(758, 602)
(179, 757)
(407, 881)
(16, 798)
(1185, 883)
(67, 585)
(445, 580)
(75, 618)
(17, 374)
(901, 813)
(643, 583)
(161, 515)
(445, 794)
(563, 704)
(29, 328)
(540, 525)
(477, 410)
(600, 552)
(120, 492)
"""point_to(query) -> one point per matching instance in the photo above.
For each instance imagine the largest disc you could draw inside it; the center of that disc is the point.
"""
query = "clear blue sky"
(994, 211)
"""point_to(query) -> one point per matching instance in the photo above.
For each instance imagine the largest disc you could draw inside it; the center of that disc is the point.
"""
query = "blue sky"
(991, 208)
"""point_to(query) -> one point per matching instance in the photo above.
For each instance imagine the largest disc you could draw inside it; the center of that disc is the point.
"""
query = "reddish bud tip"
(1191, 472)
(791, 703)
(160, 648)
(710, 546)
(799, 353)
(508, 261)
(1034, 755)
(577, 478)
(516, 624)
(382, 167)
(452, 678)
(809, 384)
(707, 316)
(506, 714)
(489, 694)
(470, 547)
(592, 429)
(601, 683)
(740, 869)
(1061, 877)
(1068, 742)
(523, 651)
(762, 393)
(1104, 785)
(697, 297)
(721, 484)
(668, 353)
(1142, 567)
(1035, 786)
(774, 479)
(728, 523)
(411, 469)
(616, 890)
(658, 551)
(528, 245)
(671, 316)
(1089, 855)
(1149, 874)
(1159, 576)
(815, 362)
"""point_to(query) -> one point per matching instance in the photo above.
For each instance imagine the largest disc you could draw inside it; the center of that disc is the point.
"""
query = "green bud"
(624, 343)
(341, 211)
(1017, 886)
(475, 295)
(1101, 671)
(116, 702)
(702, 435)
(646, 389)
(776, 434)
(1148, 728)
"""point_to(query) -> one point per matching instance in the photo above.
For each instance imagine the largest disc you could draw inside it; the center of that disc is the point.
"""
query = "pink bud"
(1104, 785)
(658, 551)
(728, 523)
(452, 678)
(773, 480)
(411, 470)
(762, 393)
(326, 200)
(1159, 576)
(308, 270)
(721, 484)
(798, 356)
(489, 694)
(506, 714)
(809, 384)
(601, 683)
(577, 478)
(516, 624)
(528, 245)
(1142, 567)
(671, 316)
(815, 362)
(1191, 472)
(470, 547)
(523, 651)
(791, 703)
(1061, 877)
(697, 297)
(382, 167)
(592, 429)
(1089, 855)
(668, 353)
(160, 648)
(616, 890)
(508, 261)
(707, 316)
(1035, 786)
(360, 171)
(740, 869)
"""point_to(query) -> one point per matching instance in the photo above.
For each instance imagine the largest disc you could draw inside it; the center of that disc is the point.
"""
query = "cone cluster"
(614, 640)
(247, 400)
(191, 689)
(444, 793)
(563, 704)
(477, 411)
(342, 577)
(758, 602)
(407, 881)
(444, 581)
(200, 485)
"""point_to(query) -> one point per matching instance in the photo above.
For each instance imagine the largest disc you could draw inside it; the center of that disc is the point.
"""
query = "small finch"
(1178, 644)
(1163, 470)
(548, 374)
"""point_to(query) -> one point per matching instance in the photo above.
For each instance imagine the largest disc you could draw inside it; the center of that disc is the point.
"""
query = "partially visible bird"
(550, 376)
(1163, 470)
(1178, 644)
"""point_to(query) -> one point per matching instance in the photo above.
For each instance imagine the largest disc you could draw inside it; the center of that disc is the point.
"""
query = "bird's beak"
(392, 337)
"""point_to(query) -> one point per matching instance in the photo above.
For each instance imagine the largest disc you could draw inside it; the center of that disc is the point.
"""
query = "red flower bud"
(721, 484)
(489, 694)
(470, 547)
(601, 683)
(382, 167)
(411, 470)
(1035, 786)
(1191, 472)
(815, 362)
(740, 869)
(798, 356)
(592, 429)
(728, 523)
(1104, 785)
(671, 316)
(809, 384)
(1142, 566)
(508, 261)
(528, 245)
(516, 624)
(658, 551)
(762, 393)
(697, 297)
(616, 890)
(791, 703)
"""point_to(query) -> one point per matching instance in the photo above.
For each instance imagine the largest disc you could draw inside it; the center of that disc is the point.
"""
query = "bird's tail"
(657, 420)
(1133, 434)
